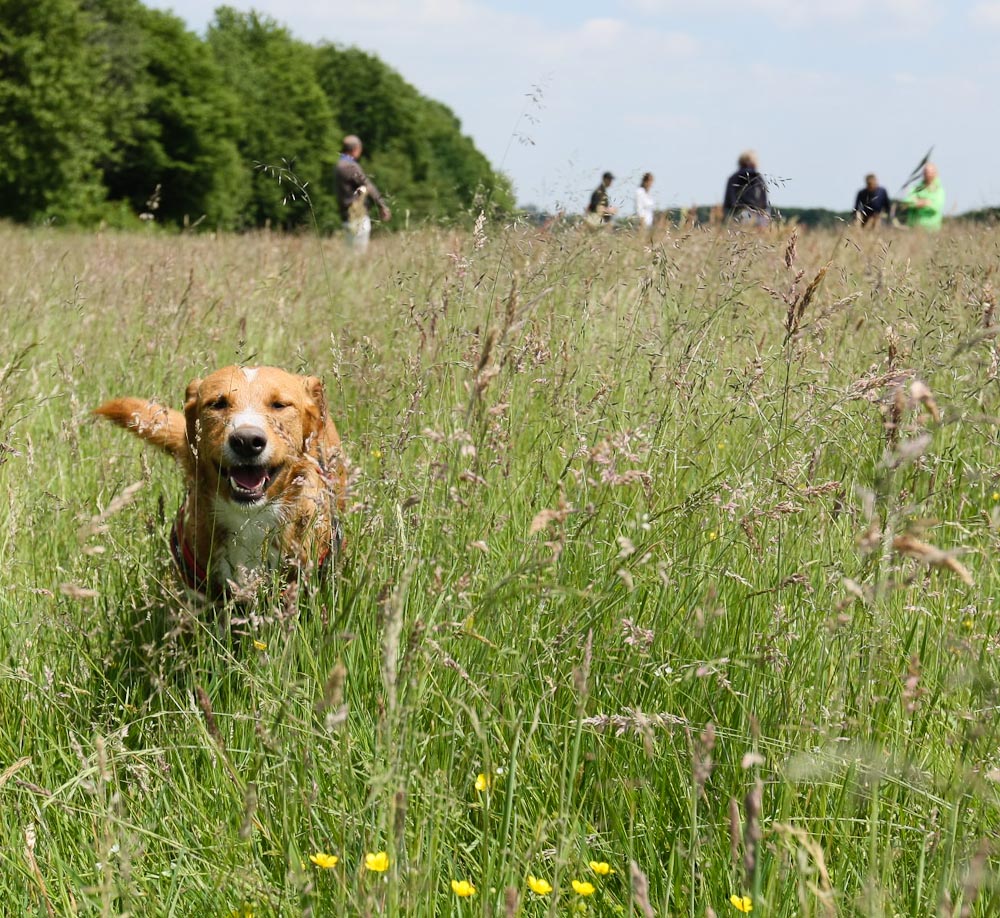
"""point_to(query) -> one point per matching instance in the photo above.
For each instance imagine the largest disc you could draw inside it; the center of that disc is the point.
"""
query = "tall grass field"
(669, 586)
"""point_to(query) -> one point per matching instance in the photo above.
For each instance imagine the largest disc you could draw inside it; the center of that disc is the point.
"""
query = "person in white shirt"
(644, 204)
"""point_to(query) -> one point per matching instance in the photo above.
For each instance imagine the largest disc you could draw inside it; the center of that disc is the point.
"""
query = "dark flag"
(915, 174)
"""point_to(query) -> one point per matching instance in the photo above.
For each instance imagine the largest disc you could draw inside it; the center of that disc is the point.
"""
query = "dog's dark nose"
(247, 442)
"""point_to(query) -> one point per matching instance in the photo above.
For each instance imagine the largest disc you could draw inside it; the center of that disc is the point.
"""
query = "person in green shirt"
(925, 203)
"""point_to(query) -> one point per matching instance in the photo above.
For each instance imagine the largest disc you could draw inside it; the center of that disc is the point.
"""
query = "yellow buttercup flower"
(742, 903)
(583, 888)
(482, 782)
(601, 868)
(324, 861)
(260, 645)
(378, 862)
(539, 886)
(462, 888)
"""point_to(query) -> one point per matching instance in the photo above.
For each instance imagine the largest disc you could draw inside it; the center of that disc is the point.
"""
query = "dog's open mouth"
(248, 484)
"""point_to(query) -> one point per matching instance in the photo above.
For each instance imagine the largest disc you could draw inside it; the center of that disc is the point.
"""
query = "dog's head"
(248, 429)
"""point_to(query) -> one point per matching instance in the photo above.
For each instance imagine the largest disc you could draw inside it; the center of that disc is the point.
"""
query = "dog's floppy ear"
(321, 440)
(191, 416)
(314, 417)
(163, 427)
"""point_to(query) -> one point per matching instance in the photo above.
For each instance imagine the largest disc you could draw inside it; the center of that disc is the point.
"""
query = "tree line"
(112, 113)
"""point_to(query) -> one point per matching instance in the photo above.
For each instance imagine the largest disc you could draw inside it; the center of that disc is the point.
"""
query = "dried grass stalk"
(640, 890)
(928, 554)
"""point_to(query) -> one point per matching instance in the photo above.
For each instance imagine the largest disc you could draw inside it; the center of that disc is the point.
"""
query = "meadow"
(668, 590)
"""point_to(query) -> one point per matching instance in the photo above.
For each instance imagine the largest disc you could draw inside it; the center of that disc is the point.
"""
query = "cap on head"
(607, 177)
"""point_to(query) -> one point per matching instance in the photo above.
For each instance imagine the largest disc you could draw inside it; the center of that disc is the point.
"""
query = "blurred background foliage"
(112, 113)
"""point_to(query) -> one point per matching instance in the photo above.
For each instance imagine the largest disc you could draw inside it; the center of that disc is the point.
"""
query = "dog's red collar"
(194, 575)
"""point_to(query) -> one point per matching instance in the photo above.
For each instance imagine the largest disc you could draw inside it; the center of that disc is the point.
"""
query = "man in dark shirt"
(599, 210)
(745, 200)
(872, 201)
(355, 194)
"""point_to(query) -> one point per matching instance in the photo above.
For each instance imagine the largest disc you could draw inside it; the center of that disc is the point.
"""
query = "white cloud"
(986, 14)
(803, 13)
(601, 29)
(421, 13)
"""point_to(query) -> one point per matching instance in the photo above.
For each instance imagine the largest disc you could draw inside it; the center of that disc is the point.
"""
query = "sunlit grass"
(652, 601)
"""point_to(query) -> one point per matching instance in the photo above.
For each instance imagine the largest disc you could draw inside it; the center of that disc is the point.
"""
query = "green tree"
(284, 118)
(107, 106)
(169, 118)
(458, 166)
(51, 108)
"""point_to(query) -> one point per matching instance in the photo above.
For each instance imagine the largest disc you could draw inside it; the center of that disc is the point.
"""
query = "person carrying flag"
(925, 203)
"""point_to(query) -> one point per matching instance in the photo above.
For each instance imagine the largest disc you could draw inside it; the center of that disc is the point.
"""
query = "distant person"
(599, 210)
(925, 203)
(355, 194)
(872, 201)
(745, 200)
(644, 204)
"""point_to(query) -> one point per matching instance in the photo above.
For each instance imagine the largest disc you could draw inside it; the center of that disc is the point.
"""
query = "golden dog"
(265, 470)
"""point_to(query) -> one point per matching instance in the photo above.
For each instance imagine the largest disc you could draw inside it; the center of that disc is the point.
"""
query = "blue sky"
(556, 92)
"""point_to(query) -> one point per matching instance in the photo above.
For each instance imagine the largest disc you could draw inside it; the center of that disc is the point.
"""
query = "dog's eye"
(279, 405)
(218, 404)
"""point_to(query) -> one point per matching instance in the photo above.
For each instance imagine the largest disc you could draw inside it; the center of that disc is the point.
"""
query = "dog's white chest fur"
(251, 544)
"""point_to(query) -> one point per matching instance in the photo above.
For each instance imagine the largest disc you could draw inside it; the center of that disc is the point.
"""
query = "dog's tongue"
(249, 479)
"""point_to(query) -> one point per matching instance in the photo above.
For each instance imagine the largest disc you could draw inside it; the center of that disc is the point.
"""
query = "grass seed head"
(640, 890)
